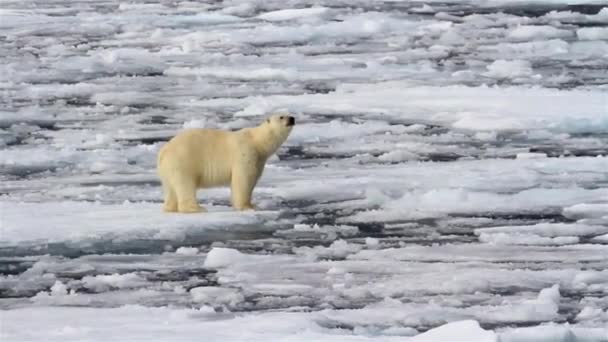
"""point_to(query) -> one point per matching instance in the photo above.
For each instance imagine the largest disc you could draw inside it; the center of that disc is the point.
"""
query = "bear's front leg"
(244, 179)
(170, 203)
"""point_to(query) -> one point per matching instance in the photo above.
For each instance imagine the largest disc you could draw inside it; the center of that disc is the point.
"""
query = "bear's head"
(273, 132)
(280, 125)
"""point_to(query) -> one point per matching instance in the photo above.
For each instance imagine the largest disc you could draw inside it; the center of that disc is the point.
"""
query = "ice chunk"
(223, 257)
(436, 203)
(530, 155)
(587, 210)
(325, 232)
(59, 289)
(486, 253)
(216, 295)
(204, 323)
(547, 229)
(372, 242)
(209, 18)
(590, 313)
(509, 69)
(236, 74)
(425, 8)
(459, 331)
(553, 333)
(398, 156)
(601, 238)
(241, 10)
(550, 296)
(533, 49)
(338, 249)
(527, 32)
(78, 221)
(196, 123)
(101, 283)
(474, 108)
(187, 251)
(293, 14)
(526, 239)
(592, 33)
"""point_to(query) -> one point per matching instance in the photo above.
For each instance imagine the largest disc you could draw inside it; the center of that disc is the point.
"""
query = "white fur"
(204, 158)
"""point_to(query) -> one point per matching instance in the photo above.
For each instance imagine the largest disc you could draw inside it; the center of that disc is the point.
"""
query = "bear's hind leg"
(170, 204)
(186, 197)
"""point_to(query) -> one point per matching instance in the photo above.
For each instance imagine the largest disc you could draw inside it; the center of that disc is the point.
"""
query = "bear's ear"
(267, 120)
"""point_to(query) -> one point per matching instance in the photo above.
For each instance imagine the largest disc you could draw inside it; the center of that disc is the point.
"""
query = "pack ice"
(447, 179)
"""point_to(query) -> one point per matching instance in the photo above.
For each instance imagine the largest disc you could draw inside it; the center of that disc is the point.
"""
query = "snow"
(446, 178)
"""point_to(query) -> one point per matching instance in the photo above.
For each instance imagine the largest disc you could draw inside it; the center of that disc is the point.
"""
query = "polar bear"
(205, 158)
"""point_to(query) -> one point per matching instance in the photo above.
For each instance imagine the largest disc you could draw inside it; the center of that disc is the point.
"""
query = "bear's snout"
(291, 121)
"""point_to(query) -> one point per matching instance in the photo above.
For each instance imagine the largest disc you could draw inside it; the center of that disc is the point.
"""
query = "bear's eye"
(282, 117)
